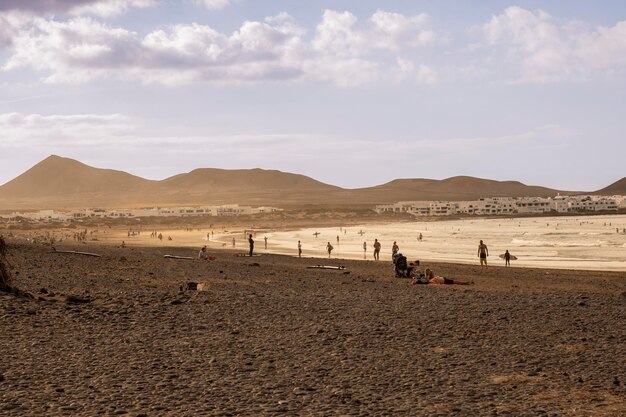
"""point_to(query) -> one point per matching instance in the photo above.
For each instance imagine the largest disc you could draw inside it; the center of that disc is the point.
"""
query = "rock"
(255, 264)
(1, 378)
(43, 291)
(75, 299)
(123, 259)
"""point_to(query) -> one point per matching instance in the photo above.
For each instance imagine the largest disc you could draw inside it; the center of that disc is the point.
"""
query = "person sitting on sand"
(329, 248)
(203, 253)
(432, 279)
(401, 267)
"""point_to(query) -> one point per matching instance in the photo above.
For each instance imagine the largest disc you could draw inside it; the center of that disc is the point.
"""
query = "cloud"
(83, 49)
(338, 34)
(546, 50)
(421, 74)
(7, 31)
(214, 4)
(97, 7)
(28, 130)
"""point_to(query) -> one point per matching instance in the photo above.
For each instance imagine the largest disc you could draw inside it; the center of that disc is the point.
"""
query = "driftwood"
(337, 268)
(189, 258)
(73, 252)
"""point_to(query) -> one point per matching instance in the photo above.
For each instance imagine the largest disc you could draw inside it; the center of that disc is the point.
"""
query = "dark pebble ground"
(279, 339)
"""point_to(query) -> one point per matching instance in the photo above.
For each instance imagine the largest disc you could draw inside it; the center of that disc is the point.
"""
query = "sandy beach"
(564, 242)
(268, 336)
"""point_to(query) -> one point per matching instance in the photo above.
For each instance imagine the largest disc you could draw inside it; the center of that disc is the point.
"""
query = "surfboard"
(513, 258)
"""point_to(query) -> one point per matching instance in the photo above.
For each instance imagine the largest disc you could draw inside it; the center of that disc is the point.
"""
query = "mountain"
(57, 176)
(453, 189)
(243, 186)
(58, 183)
(617, 188)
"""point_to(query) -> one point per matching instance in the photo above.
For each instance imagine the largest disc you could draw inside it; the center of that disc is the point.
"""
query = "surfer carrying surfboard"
(507, 258)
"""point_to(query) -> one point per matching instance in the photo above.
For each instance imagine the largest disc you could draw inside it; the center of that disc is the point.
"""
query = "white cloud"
(27, 130)
(338, 34)
(98, 7)
(421, 74)
(214, 4)
(110, 7)
(82, 49)
(395, 31)
(545, 49)
(6, 32)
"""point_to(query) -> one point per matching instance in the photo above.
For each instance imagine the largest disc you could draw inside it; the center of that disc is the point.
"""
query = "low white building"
(534, 205)
(227, 210)
(507, 205)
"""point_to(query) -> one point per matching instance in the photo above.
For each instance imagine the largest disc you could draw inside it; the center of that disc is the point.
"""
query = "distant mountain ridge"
(64, 183)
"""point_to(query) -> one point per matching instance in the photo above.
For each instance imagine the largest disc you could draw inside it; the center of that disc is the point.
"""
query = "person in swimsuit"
(483, 252)
(376, 249)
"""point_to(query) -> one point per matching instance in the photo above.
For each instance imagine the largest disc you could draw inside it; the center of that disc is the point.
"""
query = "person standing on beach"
(329, 248)
(233, 242)
(299, 249)
(483, 252)
(251, 242)
(376, 250)
(265, 238)
(394, 249)
(364, 250)
(507, 258)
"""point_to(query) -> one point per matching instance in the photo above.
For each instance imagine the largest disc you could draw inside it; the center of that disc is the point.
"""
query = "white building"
(506, 205)
(227, 210)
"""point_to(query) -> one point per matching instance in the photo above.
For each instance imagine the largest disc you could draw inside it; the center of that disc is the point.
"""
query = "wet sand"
(271, 337)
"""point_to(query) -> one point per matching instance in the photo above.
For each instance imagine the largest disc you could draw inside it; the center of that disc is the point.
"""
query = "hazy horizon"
(352, 93)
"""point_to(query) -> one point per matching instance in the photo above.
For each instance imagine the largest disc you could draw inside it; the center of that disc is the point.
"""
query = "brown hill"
(452, 189)
(617, 188)
(243, 186)
(65, 183)
(58, 182)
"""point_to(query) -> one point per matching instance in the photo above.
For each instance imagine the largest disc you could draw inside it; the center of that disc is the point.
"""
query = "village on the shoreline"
(508, 206)
(98, 213)
(481, 207)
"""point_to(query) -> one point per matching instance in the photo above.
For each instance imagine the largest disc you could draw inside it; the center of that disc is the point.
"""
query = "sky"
(353, 93)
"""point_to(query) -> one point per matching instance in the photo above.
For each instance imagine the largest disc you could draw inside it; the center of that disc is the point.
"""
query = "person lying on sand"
(430, 278)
